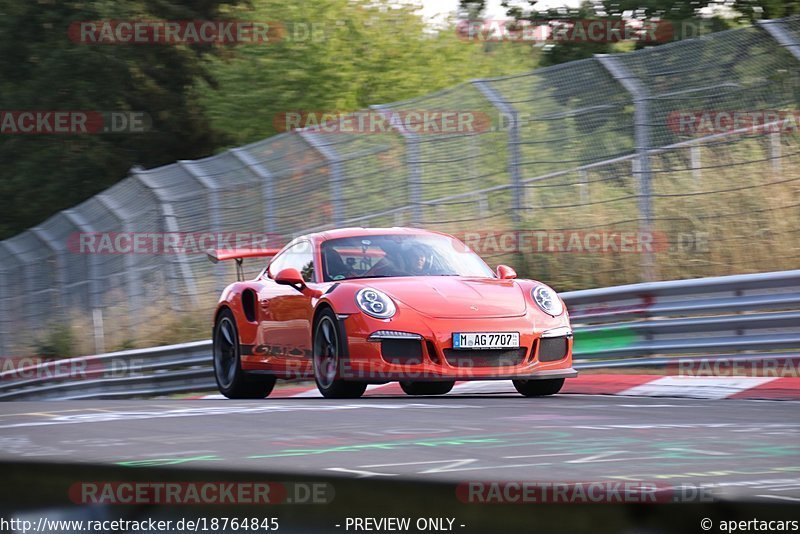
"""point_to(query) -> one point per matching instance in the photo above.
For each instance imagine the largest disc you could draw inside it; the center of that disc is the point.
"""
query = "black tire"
(539, 388)
(231, 380)
(328, 348)
(427, 388)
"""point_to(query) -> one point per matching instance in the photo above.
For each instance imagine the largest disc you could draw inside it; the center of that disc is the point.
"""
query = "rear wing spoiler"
(238, 254)
(216, 256)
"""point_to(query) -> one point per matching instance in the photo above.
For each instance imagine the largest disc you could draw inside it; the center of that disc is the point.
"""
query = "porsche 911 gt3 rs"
(356, 306)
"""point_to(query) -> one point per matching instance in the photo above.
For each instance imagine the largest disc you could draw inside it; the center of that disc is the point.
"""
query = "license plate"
(486, 340)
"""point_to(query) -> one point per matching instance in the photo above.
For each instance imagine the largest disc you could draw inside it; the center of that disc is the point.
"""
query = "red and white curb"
(697, 387)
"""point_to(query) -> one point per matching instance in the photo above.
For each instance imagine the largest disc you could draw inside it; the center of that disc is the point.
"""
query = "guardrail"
(744, 317)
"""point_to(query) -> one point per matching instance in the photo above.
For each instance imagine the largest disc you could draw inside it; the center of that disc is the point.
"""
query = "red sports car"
(357, 306)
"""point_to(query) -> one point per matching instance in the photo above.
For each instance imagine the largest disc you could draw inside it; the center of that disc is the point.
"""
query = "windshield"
(380, 256)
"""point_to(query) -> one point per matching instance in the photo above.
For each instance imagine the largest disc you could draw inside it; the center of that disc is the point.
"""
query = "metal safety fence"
(648, 142)
(752, 319)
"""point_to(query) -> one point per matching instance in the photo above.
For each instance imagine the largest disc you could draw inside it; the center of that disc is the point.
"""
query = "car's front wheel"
(539, 388)
(327, 360)
(427, 388)
(231, 380)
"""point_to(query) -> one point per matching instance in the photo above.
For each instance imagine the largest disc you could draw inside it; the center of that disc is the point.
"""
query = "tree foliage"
(204, 98)
(42, 69)
(686, 18)
(343, 55)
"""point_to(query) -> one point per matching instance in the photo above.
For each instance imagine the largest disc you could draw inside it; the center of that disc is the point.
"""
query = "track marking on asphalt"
(602, 457)
(539, 455)
(450, 465)
(698, 451)
(359, 473)
(466, 462)
(51, 413)
(232, 409)
(712, 387)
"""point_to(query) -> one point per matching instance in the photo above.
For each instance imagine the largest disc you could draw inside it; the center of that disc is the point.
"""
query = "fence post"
(641, 117)
(336, 177)
(266, 186)
(583, 181)
(414, 175)
(5, 346)
(776, 29)
(775, 151)
(170, 225)
(61, 265)
(131, 281)
(695, 160)
(514, 157)
(213, 207)
(79, 222)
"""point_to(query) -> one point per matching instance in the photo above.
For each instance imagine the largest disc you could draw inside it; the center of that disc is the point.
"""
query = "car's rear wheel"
(231, 380)
(539, 388)
(327, 360)
(427, 388)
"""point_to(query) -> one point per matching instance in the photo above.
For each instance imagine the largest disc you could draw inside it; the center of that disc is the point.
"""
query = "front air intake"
(553, 348)
(402, 351)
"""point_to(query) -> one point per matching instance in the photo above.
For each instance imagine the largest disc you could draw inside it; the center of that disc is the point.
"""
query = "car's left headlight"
(375, 303)
(547, 299)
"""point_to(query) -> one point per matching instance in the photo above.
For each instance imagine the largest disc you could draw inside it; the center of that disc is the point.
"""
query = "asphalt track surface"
(744, 449)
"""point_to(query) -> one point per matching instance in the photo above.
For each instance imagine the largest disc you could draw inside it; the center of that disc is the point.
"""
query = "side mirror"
(505, 272)
(292, 277)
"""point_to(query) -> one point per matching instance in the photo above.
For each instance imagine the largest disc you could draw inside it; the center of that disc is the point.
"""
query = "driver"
(416, 259)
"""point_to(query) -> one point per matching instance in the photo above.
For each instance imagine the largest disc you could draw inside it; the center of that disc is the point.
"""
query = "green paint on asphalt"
(168, 461)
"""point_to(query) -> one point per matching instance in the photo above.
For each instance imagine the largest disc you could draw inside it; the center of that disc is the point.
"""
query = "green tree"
(753, 10)
(679, 18)
(343, 55)
(41, 68)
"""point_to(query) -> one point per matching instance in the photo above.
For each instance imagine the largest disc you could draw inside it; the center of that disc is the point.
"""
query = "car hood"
(455, 297)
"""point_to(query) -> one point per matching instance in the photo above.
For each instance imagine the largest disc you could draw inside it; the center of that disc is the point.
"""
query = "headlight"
(375, 303)
(547, 300)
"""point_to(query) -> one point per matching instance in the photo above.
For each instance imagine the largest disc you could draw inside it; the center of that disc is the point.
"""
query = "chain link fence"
(563, 157)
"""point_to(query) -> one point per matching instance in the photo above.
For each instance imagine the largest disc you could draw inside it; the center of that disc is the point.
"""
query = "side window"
(300, 256)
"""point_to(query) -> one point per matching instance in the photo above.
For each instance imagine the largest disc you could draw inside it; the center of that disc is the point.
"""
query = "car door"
(285, 313)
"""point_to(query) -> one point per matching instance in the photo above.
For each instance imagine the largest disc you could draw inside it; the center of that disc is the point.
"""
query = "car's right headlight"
(547, 299)
(375, 303)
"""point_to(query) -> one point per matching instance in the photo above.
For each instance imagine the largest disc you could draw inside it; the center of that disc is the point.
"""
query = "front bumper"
(436, 360)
